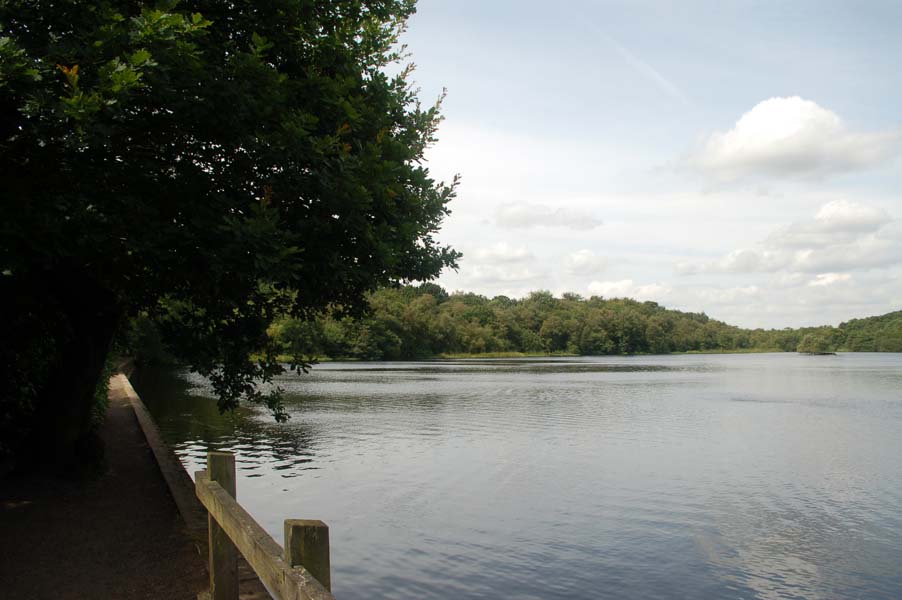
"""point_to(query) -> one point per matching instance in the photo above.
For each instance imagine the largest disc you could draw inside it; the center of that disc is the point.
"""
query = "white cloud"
(836, 222)
(775, 300)
(843, 236)
(503, 253)
(869, 252)
(584, 262)
(541, 215)
(491, 275)
(494, 268)
(824, 279)
(841, 215)
(744, 260)
(625, 288)
(727, 296)
(792, 137)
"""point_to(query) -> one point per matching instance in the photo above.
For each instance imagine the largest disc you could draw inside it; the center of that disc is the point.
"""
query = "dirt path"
(118, 536)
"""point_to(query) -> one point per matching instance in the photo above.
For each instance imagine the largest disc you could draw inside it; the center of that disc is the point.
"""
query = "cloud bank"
(626, 288)
(584, 262)
(842, 236)
(503, 252)
(525, 216)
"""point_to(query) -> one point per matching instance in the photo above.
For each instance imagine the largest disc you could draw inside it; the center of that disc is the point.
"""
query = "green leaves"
(235, 162)
(15, 65)
(259, 45)
(141, 58)
(117, 76)
(154, 25)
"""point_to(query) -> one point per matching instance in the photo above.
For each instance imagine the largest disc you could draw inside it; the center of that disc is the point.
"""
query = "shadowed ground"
(117, 535)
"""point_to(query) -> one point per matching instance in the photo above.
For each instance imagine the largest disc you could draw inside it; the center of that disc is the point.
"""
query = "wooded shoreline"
(424, 322)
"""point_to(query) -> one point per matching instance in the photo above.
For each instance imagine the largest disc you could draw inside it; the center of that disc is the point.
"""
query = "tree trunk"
(63, 425)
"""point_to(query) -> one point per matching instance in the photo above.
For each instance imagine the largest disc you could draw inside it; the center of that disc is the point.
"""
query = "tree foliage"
(814, 343)
(874, 334)
(425, 321)
(213, 165)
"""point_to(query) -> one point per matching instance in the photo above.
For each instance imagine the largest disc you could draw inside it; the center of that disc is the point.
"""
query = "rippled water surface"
(717, 476)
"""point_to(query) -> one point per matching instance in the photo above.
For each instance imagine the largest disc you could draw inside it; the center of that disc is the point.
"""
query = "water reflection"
(190, 421)
(754, 476)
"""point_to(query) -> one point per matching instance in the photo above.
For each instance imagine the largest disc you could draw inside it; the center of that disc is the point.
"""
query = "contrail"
(643, 67)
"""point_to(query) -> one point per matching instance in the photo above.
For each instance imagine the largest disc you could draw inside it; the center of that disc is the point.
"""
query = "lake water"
(706, 476)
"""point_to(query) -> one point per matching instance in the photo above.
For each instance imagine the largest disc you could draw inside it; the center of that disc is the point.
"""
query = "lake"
(689, 476)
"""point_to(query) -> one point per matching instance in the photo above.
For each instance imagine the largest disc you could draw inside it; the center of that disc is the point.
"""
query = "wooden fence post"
(223, 554)
(307, 545)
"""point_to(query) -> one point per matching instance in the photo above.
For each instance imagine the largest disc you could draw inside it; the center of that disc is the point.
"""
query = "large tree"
(229, 161)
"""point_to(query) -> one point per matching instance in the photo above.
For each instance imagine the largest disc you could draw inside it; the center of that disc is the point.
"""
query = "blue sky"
(740, 158)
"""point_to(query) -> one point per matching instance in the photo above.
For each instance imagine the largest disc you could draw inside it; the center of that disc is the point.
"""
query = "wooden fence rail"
(300, 572)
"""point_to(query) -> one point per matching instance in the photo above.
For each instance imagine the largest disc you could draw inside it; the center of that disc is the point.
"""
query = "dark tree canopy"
(225, 161)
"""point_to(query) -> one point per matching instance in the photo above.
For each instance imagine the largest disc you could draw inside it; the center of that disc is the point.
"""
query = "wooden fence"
(300, 572)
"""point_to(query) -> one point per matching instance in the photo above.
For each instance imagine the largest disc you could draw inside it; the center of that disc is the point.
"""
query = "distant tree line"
(425, 321)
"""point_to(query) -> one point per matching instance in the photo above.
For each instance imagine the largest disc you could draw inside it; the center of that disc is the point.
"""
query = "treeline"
(425, 321)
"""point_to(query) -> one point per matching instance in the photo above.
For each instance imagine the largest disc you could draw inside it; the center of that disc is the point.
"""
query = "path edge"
(180, 484)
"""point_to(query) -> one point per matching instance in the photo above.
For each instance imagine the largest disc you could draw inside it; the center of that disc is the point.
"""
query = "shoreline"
(495, 355)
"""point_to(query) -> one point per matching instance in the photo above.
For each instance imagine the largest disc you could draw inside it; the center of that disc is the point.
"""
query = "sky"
(743, 159)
